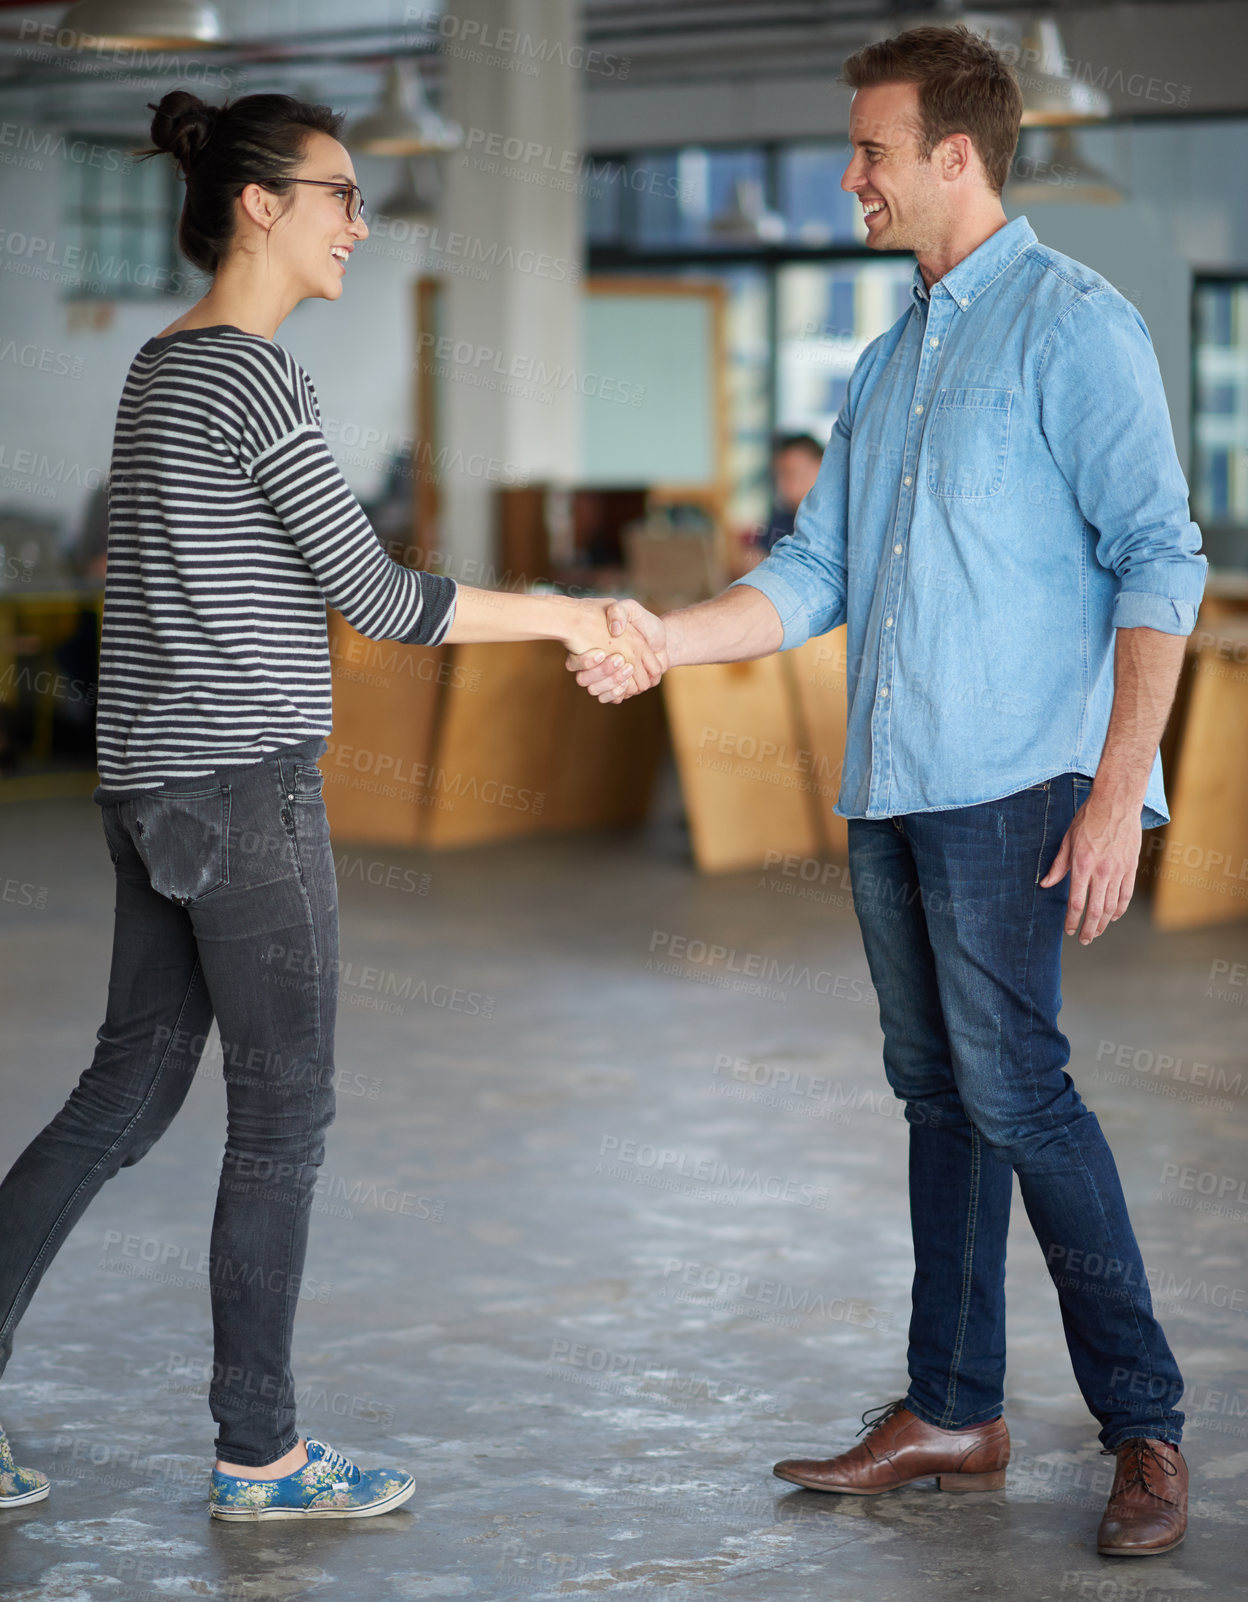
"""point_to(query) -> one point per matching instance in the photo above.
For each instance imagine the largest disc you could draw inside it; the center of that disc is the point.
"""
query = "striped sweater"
(229, 528)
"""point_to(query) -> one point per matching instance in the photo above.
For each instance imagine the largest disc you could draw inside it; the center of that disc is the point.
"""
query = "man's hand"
(600, 633)
(640, 635)
(737, 626)
(1100, 851)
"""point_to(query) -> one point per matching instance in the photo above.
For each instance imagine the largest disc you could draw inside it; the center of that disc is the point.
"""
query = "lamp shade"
(746, 216)
(403, 124)
(1061, 174)
(135, 24)
(416, 195)
(1052, 93)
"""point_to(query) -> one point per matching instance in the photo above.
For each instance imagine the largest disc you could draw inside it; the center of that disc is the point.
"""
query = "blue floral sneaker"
(19, 1485)
(329, 1486)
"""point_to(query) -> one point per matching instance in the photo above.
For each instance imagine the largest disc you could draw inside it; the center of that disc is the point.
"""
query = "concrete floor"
(588, 1353)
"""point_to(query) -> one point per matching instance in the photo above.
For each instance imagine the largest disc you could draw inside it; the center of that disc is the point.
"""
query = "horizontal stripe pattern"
(230, 526)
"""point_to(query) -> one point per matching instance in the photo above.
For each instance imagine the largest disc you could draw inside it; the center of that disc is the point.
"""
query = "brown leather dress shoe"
(1147, 1511)
(900, 1448)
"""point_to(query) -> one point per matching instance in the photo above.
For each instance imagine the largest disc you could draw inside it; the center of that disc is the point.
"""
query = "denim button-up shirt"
(999, 494)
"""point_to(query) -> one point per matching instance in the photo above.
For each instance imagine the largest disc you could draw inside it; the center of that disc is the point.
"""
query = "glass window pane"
(1213, 314)
(603, 191)
(151, 190)
(109, 267)
(122, 214)
(702, 197)
(748, 380)
(655, 189)
(816, 210)
(71, 188)
(826, 315)
(1217, 484)
(736, 204)
(1220, 419)
(749, 383)
(147, 253)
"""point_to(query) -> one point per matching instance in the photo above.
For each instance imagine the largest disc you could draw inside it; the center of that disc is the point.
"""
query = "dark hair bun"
(182, 125)
(258, 139)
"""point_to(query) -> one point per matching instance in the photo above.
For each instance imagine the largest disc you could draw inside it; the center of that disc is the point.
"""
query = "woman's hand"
(604, 633)
(587, 627)
(633, 659)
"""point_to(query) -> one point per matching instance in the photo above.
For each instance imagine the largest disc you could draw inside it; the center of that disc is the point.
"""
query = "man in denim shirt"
(1001, 522)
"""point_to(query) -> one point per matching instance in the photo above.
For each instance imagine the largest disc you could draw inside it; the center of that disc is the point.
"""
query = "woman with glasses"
(230, 527)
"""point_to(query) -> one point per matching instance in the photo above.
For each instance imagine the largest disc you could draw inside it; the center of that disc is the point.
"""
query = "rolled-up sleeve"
(804, 576)
(1104, 415)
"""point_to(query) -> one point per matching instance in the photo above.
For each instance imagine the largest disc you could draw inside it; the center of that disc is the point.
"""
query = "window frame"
(1229, 529)
(626, 255)
(146, 231)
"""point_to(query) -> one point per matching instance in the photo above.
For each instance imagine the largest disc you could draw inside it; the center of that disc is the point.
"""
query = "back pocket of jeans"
(967, 443)
(183, 840)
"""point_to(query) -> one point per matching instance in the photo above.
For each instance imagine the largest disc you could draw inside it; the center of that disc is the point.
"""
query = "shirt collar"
(967, 281)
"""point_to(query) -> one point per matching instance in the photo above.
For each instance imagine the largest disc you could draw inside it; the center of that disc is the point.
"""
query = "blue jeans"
(226, 907)
(964, 948)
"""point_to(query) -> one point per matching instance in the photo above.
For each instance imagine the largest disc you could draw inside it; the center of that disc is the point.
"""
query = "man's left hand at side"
(1100, 851)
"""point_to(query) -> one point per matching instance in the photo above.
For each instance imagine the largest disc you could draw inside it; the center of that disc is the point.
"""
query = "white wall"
(64, 413)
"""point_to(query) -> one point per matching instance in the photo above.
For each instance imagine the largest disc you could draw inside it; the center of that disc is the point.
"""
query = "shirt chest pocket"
(968, 440)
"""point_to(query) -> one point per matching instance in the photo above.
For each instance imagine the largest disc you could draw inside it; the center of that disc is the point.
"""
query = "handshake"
(617, 649)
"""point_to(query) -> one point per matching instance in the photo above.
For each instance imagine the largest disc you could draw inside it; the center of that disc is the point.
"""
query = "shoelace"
(337, 1463)
(1140, 1456)
(883, 1414)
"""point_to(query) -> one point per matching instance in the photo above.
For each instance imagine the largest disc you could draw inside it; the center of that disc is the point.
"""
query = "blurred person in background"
(795, 462)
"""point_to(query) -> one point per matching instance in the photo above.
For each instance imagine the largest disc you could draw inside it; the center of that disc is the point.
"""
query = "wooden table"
(759, 747)
(32, 624)
(1198, 865)
(457, 745)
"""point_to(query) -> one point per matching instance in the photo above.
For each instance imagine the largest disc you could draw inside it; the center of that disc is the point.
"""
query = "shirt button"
(888, 622)
(965, 302)
(907, 481)
(884, 693)
(917, 410)
(896, 550)
(933, 343)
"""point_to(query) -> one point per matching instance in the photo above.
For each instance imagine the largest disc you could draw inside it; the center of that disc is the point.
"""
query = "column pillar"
(512, 205)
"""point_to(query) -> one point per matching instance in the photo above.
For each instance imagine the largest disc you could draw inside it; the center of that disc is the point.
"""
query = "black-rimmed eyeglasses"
(355, 200)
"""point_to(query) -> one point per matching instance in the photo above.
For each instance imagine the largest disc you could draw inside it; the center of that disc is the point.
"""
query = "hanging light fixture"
(404, 123)
(141, 24)
(1052, 94)
(746, 216)
(1062, 174)
(417, 193)
(1053, 91)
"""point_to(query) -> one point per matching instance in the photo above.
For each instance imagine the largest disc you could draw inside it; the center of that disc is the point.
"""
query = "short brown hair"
(965, 86)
